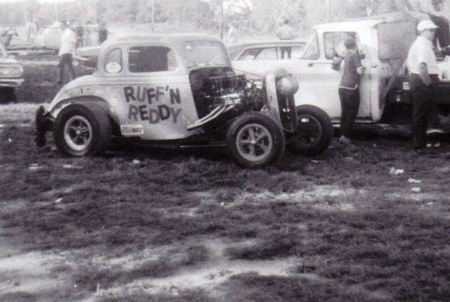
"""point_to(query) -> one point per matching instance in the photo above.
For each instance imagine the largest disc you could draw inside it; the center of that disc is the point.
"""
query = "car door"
(160, 94)
(149, 91)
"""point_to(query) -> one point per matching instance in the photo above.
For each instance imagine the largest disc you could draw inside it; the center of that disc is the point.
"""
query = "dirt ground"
(369, 222)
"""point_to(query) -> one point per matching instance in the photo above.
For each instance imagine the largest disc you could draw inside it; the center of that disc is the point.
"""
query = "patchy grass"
(17, 113)
(357, 232)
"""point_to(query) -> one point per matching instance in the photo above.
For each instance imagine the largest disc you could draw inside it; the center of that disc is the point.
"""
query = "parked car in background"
(11, 76)
(177, 90)
(260, 57)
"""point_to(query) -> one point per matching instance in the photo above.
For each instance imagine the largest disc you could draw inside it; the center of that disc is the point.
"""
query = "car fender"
(84, 100)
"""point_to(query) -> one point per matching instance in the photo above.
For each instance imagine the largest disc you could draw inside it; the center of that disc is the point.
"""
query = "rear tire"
(314, 132)
(82, 130)
(255, 140)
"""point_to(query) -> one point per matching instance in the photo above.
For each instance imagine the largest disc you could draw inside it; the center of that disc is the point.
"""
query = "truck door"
(319, 82)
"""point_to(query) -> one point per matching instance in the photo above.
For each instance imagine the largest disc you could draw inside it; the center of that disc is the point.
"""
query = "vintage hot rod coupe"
(180, 90)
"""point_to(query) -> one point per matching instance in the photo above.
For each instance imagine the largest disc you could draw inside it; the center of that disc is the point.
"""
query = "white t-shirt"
(422, 52)
(68, 42)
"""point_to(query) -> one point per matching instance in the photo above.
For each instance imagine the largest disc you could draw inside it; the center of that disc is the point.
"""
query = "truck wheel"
(314, 131)
(255, 140)
(82, 130)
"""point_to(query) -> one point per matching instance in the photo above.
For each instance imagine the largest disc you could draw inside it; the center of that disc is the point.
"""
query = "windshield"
(205, 53)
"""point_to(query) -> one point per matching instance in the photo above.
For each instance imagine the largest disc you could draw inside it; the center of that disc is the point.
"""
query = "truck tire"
(314, 132)
(255, 140)
(82, 130)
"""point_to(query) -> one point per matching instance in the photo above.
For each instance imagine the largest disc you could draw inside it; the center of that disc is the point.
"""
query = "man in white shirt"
(69, 40)
(424, 71)
(434, 10)
(286, 32)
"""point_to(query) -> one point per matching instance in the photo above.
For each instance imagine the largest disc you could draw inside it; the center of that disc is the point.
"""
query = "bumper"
(43, 124)
(11, 82)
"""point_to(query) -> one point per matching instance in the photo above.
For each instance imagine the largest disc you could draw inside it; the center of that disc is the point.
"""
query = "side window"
(151, 59)
(334, 43)
(312, 51)
(113, 61)
(267, 54)
(249, 54)
(259, 54)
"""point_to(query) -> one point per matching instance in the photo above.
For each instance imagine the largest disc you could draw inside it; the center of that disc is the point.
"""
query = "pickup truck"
(384, 45)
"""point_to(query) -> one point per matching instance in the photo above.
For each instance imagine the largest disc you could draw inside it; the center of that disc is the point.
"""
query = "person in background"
(7, 36)
(31, 30)
(102, 32)
(423, 76)
(69, 40)
(349, 89)
(286, 32)
(433, 10)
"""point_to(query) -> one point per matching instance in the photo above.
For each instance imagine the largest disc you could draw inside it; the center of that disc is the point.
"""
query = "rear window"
(151, 59)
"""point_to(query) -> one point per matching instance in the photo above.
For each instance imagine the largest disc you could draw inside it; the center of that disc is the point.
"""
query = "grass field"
(148, 225)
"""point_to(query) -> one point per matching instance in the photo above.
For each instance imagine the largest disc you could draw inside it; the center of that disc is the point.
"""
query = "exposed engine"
(213, 87)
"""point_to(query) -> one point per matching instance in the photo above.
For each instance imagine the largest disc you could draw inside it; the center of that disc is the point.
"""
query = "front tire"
(255, 140)
(82, 130)
(314, 132)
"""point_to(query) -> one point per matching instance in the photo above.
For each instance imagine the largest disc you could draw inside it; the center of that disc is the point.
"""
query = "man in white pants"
(69, 40)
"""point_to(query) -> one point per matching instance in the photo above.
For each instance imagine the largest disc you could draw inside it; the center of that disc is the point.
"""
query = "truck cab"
(384, 45)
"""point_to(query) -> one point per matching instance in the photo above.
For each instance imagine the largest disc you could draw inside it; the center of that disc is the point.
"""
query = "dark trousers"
(285, 53)
(350, 107)
(422, 106)
(443, 31)
(66, 61)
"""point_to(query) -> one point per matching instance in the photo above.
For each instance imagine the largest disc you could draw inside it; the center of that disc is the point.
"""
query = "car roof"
(163, 38)
(352, 24)
(269, 43)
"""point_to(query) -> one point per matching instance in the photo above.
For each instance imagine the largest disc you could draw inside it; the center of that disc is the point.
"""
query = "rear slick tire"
(83, 130)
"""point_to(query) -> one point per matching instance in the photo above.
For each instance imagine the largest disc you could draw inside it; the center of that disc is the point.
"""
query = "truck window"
(334, 43)
(312, 51)
(151, 59)
(113, 61)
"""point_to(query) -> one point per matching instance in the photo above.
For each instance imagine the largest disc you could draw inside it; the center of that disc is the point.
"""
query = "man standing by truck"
(349, 89)
(423, 72)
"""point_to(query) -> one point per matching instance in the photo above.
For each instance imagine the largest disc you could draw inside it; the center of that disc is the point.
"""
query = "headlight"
(287, 85)
(11, 71)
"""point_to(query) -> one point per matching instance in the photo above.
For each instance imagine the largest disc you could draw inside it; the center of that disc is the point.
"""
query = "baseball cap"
(426, 24)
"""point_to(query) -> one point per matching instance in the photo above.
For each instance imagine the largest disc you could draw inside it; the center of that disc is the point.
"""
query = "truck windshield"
(205, 53)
